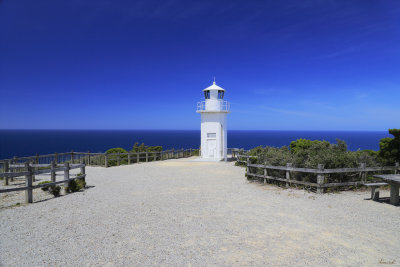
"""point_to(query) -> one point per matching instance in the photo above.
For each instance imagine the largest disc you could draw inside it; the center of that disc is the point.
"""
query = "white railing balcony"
(212, 106)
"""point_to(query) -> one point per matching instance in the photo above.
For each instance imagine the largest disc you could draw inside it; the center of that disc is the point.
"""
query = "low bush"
(113, 159)
(196, 152)
(75, 185)
(142, 148)
(55, 190)
(45, 188)
(304, 153)
(52, 189)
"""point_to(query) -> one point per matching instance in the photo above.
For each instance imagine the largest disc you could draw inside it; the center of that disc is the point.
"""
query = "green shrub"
(142, 148)
(113, 159)
(52, 189)
(45, 188)
(196, 152)
(55, 190)
(75, 185)
(389, 148)
(308, 154)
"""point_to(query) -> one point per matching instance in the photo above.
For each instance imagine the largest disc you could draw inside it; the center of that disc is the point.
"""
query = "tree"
(389, 148)
(135, 147)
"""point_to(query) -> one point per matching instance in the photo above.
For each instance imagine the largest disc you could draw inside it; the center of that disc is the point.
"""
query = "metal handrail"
(221, 106)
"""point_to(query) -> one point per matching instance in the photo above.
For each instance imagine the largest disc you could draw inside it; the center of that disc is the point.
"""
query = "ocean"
(29, 142)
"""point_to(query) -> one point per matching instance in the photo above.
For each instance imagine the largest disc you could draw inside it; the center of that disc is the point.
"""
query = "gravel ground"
(182, 213)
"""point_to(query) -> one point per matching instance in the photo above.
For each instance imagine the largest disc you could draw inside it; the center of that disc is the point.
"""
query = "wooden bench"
(374, 192)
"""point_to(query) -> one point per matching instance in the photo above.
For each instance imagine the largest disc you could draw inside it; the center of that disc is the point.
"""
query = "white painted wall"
(214, 122)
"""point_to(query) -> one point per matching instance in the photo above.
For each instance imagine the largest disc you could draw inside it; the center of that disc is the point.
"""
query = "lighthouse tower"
(213, 123)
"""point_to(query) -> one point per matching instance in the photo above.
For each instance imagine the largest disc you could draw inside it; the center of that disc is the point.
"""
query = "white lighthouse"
(213, 112)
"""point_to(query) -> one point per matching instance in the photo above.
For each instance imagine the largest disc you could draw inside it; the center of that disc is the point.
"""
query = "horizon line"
(82, 129)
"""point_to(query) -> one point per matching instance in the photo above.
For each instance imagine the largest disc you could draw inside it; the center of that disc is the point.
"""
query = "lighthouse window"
(207, 94)
(211, 135)
(220, 94)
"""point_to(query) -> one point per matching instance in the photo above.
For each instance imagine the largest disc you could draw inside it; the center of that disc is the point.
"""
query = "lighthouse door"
(211, 148)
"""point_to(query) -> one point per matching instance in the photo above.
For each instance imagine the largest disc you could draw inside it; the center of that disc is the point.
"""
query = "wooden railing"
(321, 182)
(135, 157)
(29, 171)
(28, 167)
(99, 159)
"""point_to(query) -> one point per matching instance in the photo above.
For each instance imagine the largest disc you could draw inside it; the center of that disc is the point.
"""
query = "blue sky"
(285, 65)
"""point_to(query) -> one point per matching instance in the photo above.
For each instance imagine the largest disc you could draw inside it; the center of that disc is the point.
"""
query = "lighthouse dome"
(214, 86)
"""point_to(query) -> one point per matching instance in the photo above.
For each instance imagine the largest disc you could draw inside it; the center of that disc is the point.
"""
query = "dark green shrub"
(142, 148)
(45, 188)
(75, 185)
(55, 190)
(113, 159)
(308, 154)
(196, 152)
(389, 148)
(52, 189)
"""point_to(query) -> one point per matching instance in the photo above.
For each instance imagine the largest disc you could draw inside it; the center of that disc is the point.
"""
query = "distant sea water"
(29, 142)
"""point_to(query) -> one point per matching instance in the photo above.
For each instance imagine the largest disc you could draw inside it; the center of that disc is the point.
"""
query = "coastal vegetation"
(304, 153)
(123, 157)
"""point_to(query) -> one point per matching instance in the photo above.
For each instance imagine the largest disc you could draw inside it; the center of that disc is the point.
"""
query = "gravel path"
(182, 213)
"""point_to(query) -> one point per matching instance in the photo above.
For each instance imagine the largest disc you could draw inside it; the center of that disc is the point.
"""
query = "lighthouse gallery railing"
(221, 106)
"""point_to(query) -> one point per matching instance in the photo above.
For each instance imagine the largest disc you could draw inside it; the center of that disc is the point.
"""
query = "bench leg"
(373, 189)
(375, 195)
(394, 193)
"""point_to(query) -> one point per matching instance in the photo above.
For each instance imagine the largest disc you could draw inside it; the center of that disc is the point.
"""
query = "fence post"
(83, 171)
(129, 158)
(265, 172)
(105, 160)
(154, 156)
(33, 168)
(6, 169)
(28, 183)
(288, 165)
(118, 159)
(147, 156)
(397, 169)
(247, 167)
(320, 179)
(137, 157)
(56, 157)
(363, 174)
(53, 173)
(66, 175)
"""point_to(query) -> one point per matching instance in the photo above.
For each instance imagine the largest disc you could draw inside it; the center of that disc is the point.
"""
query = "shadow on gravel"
(81, 191)
(384, 200)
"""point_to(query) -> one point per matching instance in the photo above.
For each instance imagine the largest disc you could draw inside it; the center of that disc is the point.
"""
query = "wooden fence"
(28, 167)
(29, 170)
(100, 159)
(268, 172)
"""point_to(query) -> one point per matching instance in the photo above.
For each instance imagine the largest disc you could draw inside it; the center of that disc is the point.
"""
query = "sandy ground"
(181, 213)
